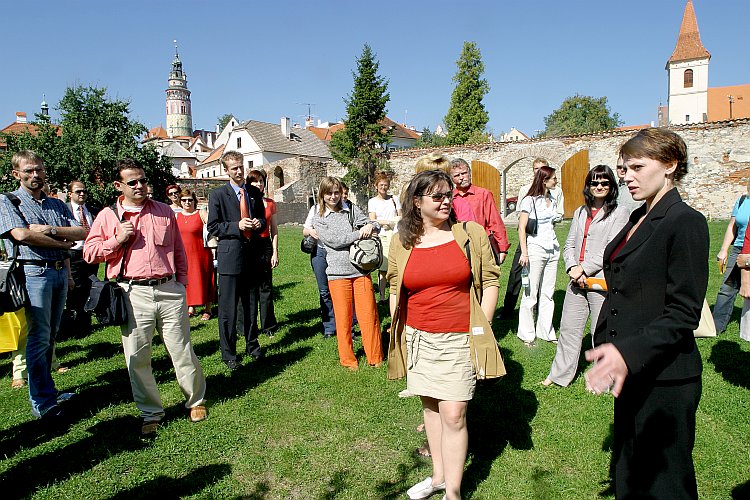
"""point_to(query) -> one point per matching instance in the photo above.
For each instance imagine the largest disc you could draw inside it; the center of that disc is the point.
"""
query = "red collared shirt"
(479, 204)
(155, 249)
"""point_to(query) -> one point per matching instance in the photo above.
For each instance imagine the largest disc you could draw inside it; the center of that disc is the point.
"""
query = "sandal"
(424, 451)
(205, 317)
(191, 312)
(18, 383)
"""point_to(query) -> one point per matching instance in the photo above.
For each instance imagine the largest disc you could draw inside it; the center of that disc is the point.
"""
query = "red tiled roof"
(157, 133)
(215, 155)
(20, 128)
(718, 102)
(633, 127)
(689, 45)
(397, 130)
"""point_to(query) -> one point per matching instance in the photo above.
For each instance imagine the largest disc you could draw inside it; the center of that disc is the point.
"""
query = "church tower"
(688, 73)
(179, 114)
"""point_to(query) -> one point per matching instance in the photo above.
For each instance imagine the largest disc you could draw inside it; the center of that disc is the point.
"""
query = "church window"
(688, 78)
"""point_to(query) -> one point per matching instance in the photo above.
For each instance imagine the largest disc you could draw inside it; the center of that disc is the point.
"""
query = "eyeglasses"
(80, 191)
(440, 196)
(186, 200)
(27, 171)
(174, 193)
(599, 183)
(131, 183)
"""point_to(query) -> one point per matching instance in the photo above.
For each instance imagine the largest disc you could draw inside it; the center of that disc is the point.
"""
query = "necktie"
(84, 221)
(244, 212)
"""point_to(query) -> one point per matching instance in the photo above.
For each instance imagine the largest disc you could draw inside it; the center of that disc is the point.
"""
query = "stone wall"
(719, 161)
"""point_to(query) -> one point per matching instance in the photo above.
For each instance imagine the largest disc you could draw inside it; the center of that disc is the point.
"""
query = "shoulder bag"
(107, 299)
(532, 224)
(13, 294)
(365, 254)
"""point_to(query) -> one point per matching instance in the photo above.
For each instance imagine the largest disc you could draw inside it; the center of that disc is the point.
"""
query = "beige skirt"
(438, 365)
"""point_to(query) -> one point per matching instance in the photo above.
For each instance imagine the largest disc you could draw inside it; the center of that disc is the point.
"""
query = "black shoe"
(55, 418)
(232, 364)
(258, 355)
(269, 333)
(329, 335)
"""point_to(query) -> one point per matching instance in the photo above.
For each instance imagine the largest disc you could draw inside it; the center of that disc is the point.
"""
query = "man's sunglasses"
(131, 183)
(80, 191)
(440, 196)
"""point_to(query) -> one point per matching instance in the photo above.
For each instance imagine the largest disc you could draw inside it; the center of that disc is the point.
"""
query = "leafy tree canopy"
(361, 144)
(96, 133)
(466, 116)
(581, 114)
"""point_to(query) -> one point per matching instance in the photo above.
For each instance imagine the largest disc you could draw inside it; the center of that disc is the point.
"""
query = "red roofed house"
(20, 126)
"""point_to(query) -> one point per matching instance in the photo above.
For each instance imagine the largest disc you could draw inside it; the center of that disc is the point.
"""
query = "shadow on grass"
(190, 483)
(731, 362)
(80, 355)
(499, 415)
(397, 487)
(106, 440)
(741, 491)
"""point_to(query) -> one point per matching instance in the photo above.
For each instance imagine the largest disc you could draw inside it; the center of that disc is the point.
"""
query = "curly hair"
(411, 227)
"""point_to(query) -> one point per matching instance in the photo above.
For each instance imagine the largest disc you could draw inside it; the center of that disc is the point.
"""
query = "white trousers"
(163, 309)
(745, 320)
(542, 276)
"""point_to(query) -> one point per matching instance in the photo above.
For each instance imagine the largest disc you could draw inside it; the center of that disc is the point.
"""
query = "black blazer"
(657, 284)
(94, 211)
(223, 222)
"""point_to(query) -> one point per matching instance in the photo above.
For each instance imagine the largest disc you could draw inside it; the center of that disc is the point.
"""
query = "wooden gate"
(572, 179)
(485, 175)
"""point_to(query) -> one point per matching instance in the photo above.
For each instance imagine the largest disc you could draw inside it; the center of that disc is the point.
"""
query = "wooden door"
(572, 179)
(485, 175)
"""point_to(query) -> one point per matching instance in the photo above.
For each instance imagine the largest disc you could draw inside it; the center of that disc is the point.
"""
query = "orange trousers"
(358, 291)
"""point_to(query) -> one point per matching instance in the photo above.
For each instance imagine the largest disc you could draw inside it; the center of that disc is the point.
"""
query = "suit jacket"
(223, 222)
(601, 232)
(94, 211)
(657, 284)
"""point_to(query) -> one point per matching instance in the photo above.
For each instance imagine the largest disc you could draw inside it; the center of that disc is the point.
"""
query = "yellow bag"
(12, 329)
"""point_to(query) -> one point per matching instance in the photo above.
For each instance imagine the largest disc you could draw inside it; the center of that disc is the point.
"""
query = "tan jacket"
(485, 353)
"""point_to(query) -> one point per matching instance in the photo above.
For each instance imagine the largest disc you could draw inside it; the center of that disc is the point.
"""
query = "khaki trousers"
(163, 309)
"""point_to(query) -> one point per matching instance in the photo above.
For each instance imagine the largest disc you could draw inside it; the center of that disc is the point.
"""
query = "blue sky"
(261, 60)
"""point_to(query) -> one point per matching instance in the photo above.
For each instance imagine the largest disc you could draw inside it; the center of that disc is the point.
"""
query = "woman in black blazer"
(657, 272)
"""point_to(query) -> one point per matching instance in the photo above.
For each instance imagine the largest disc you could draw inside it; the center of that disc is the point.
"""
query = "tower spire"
(689, 45)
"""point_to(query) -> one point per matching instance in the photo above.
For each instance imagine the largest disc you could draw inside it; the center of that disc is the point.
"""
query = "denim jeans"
(730, 286)
(319, 265)
(47, 289)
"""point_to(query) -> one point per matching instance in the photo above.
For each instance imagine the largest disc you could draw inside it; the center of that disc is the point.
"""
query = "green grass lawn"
(297, 425)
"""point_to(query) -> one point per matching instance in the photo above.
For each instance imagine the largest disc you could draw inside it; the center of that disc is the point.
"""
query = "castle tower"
(688, 73)
(179, 114)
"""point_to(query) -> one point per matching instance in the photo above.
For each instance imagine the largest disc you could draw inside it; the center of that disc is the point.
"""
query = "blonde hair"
(433, 161)
(328, 185)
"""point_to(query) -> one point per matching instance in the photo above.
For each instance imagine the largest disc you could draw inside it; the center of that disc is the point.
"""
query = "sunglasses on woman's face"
(186, 200)
(599, 183)
(438, 197)
(174, 193)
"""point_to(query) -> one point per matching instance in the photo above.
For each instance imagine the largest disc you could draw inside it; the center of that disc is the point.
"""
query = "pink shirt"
(477, 204)
(155, 250)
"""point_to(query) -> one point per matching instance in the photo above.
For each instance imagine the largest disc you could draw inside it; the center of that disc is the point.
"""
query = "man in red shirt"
(144, 234)
(477, 204)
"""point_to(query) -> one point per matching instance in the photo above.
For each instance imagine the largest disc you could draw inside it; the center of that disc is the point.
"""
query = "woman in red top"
(201, 289)
(433, 304)
(269, 256)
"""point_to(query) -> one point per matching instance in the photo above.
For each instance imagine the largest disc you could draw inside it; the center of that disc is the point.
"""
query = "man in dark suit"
(75, 319)
(236, 217)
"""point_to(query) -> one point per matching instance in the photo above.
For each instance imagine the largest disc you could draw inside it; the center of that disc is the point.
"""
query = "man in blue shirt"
(43, 229)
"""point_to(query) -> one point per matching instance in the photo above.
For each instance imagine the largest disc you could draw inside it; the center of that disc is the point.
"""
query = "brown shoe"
(62, 369)
(149, 427)
(198, 413)
(18, 383)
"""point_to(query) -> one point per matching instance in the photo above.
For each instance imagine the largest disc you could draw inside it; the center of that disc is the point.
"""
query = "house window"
(687, 118)
(688, 78)
(250, 164)
(239, 142)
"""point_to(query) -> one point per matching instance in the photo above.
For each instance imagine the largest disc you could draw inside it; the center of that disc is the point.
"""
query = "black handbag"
(107, 299)
(309, 245)
(13, 294)
(532, 224)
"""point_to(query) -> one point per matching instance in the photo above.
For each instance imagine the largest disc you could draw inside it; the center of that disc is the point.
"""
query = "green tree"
(428, 139)
(361, 144)
(96, 133)
(467, 118)
(223, 120)
(581, 114)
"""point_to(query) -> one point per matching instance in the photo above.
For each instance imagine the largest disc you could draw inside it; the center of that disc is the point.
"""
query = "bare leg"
(381, 284)
(455, 442)
(434, 430)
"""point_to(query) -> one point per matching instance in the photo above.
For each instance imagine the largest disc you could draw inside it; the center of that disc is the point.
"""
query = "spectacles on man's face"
(438, 197)
(131, 183)
(29, 171)
(186, 200)
(599, 183)
(80, 191)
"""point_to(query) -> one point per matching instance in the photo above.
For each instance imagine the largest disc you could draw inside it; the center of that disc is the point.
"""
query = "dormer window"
(688, 78)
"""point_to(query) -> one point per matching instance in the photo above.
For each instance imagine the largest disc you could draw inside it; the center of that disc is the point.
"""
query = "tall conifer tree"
(467, 118)
(361, 144)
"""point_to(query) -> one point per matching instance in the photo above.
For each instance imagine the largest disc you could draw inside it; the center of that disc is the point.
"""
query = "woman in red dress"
(201, 288)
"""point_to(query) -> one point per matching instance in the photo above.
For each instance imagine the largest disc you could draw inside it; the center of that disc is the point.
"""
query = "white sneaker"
(406, 394)
(423, 489)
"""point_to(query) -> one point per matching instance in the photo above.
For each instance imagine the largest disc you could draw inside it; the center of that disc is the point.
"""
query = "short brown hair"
(327, 185)
(541, 161)
(382, 175)
(256, 175)
(127, 164)
(658, 144)
(188, 193)
(24, 154)
(231, 155)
